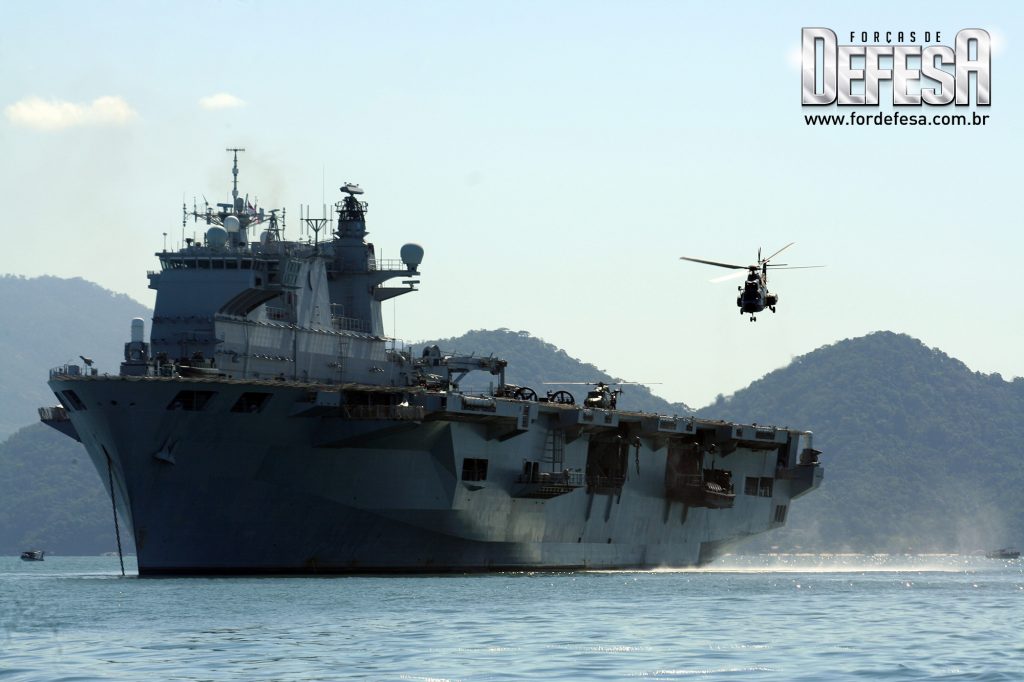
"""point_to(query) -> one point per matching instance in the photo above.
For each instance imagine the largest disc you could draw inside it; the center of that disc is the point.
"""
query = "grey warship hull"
(269, 425)
(319, 482)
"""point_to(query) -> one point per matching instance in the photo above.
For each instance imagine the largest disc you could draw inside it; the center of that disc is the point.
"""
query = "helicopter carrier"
(268, 425)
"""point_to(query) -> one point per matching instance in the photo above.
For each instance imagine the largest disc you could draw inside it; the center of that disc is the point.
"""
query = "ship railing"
(701, 480)
(573, 477)
(567, 477)
(71, 370)
(350, 324)
(387, 264)
(389, 412)
(606, 482)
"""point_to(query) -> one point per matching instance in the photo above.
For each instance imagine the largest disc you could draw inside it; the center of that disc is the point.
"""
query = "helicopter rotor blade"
(715, 263)
(726, 278)
(776, 253)
(794, 267)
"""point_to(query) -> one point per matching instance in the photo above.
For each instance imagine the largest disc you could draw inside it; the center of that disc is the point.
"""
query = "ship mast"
(248, 214)
(234, 172)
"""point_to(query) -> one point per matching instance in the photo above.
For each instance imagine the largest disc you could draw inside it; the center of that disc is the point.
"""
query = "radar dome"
(412, 255)
(138, 327)
(217, 236)
(231, 224)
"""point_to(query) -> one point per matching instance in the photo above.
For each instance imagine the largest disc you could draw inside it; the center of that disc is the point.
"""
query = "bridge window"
(191, 401)
(766, 486)
(780, 513)
(751, 485)
(474, 469)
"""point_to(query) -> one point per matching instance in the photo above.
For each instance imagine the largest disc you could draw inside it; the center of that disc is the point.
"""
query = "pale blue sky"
(553, 159)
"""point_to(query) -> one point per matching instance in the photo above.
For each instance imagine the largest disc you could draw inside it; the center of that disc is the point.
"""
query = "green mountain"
(535, 363)
(920, 453)
(53, 498)
(49, 321)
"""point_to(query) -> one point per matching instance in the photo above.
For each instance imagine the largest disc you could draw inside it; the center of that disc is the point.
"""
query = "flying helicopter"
(754, 295)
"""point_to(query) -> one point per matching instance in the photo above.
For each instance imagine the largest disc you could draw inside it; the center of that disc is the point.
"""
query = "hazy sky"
(554, 159)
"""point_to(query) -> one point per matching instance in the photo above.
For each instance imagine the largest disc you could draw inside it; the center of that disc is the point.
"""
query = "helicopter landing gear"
(753, 319)
(772, 308)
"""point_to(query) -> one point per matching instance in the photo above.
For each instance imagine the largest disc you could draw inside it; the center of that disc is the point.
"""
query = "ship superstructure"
(268, 427)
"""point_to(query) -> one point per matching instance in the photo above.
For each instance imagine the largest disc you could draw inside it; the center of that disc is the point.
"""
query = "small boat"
(32, 555)
(1004, 553)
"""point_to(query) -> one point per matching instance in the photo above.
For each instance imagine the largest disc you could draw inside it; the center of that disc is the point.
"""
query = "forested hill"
(47, 322)
(533, 362)
(919, 452)
(53, 498)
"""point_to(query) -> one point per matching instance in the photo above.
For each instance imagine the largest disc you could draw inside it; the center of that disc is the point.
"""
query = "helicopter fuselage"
(755, 297)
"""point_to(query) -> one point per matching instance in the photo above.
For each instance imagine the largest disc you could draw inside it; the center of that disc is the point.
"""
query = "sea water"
(767, 617)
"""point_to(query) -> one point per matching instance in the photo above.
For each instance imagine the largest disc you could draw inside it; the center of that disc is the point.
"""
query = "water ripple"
(806, 617)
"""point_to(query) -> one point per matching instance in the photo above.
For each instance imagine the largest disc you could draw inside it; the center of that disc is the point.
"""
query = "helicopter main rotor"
(761, 262)
(754, 295)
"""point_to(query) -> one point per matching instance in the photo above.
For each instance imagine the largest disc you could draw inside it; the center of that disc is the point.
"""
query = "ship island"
(270, 426)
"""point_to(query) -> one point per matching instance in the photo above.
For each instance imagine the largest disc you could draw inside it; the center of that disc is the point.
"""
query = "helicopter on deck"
(754, 295)
(602, 395)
